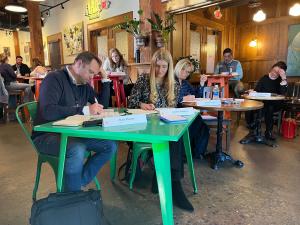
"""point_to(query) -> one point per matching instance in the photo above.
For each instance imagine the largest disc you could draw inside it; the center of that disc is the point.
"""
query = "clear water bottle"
(216, 92)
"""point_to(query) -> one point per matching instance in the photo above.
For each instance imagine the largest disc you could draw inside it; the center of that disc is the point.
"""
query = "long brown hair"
(121, 62)
(169, 82)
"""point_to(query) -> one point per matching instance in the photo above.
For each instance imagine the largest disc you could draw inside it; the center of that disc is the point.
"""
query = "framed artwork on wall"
(293, 56)
(6, 51)
(73, 39)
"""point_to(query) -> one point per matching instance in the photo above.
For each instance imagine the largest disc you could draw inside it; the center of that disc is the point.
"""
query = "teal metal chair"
(53, 161)
(138, 148)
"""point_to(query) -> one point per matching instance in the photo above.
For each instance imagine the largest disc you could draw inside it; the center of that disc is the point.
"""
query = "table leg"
(122, 93)
(219, 156)
(117, 92)
(37, 89)
(188, 153)
(163, 174)
(61, 161)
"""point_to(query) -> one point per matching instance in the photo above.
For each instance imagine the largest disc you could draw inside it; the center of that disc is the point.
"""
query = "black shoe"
(179, 198)
(250, 137)
(154, 187)
(269, 136)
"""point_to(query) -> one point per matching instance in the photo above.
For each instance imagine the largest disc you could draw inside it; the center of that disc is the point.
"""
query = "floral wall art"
(73, 39)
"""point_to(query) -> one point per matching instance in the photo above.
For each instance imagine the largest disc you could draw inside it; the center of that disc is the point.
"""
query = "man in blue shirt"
(66, 93)
(233, 67)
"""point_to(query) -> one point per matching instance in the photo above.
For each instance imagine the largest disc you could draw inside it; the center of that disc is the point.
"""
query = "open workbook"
(77, 120)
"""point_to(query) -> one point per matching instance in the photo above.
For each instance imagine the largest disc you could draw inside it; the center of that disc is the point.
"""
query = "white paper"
(124, 120)
(259, 94)
(177, 111)
(209, 103)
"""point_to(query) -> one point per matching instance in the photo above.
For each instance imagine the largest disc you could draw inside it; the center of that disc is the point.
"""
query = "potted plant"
(133, 26)
(163, 28)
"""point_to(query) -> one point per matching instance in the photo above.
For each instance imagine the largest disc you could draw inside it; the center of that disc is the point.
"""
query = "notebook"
(77, 120)
(173, 118)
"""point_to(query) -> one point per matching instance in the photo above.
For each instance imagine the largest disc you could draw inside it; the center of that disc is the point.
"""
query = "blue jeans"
(78, 173)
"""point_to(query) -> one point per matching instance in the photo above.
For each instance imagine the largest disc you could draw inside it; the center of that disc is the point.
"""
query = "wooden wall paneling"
(203, 47)
(245, 35)
(185, 36)
(178, 37)
(268, 37)
(188, 37)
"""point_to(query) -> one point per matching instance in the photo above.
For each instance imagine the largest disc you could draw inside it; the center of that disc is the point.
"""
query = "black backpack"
(71, 208)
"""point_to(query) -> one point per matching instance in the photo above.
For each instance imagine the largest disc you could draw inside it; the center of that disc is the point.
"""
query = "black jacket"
(60, 97)
(24, 69)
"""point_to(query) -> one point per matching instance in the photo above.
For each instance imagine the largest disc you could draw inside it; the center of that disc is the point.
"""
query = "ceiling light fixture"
(15, 7)
(259, 16)
(295, 10)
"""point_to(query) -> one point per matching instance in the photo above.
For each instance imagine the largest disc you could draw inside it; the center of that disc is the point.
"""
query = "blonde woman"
(155, 90)
(182, 70)
(199, 131)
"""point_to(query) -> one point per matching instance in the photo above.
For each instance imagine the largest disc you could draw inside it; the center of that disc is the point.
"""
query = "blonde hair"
(180, 65)
(169, 82)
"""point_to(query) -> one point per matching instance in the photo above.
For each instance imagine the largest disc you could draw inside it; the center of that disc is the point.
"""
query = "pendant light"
(295, 10)
(259, 16)
(14, 6)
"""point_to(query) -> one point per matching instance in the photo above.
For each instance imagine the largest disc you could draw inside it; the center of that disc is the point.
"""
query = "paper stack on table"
(77, 120)
(141, 111)
(259, 94)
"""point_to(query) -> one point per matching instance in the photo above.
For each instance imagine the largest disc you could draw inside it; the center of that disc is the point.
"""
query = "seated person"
(274, 82)
(199, 131)
(38, 69)
(116, 63)
(157, 90)
(20, 68)
(10, 80)
(66, 93)
(234, 67)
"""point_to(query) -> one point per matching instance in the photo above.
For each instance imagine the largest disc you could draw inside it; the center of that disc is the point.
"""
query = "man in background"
(20, 68)
(231, 66)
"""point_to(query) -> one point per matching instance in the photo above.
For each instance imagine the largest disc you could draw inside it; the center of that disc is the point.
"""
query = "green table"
(155, 132)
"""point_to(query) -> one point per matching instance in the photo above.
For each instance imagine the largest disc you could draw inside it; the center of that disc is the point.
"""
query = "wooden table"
(257, 136)
(222, 80)
(37, 81)
(156, 132)
(219, 156)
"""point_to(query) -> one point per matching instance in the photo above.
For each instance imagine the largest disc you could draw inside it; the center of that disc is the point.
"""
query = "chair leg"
(113, 166)
(37, 179)
(133, 165)
(98, 187)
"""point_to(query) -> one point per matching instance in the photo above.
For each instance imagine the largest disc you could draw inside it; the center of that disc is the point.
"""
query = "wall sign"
(95, 7)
